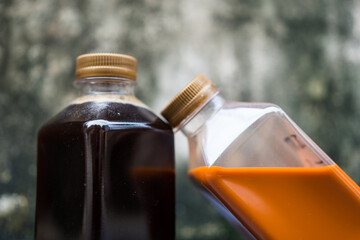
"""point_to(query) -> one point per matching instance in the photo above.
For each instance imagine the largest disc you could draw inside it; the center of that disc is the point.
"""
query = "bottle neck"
(106, 86)
(203, 113)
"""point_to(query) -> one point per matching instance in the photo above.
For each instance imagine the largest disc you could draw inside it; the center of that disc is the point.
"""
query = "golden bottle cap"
(105, 65)
(190, 100)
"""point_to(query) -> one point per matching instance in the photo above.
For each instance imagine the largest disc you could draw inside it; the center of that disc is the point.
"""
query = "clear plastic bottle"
(105, 162)
(264, 173)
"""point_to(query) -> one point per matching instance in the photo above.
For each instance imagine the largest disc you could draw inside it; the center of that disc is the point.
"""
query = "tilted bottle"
(106, 162)
(264, 173)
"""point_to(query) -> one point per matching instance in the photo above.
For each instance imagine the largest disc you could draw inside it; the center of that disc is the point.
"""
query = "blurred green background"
(302, 55)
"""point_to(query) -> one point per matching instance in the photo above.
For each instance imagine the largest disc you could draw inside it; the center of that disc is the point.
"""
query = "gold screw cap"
(189, 101)
(105, 65)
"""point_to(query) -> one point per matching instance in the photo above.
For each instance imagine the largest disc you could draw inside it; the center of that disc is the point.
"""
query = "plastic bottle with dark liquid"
(261, 170)
(105, 162)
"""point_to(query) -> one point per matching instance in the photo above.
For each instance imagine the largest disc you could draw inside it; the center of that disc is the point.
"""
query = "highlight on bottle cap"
(105, 65)
(196, 94)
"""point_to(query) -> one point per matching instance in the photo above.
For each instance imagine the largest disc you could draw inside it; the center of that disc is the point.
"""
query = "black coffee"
(105, 171)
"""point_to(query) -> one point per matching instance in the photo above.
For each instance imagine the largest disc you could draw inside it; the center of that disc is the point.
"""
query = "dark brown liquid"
(105, 171)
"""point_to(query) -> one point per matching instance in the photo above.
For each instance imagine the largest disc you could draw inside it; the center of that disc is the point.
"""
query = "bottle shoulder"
(80, 112)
